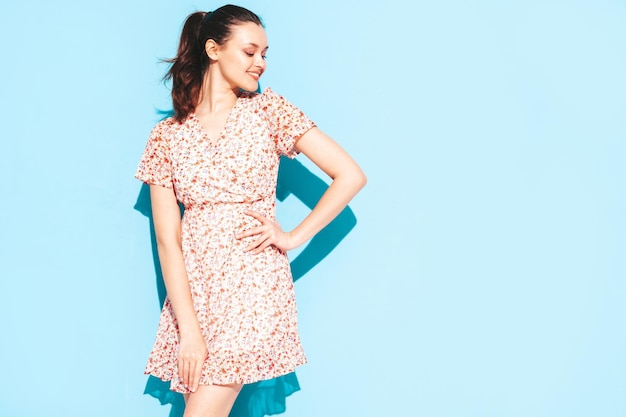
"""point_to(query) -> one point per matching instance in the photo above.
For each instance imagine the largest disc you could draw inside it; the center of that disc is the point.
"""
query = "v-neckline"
(222, 132)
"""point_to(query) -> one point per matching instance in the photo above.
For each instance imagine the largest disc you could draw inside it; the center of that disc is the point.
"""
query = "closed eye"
(251, 54)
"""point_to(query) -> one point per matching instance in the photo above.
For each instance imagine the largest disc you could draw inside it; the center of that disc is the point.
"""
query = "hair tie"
(206, 17)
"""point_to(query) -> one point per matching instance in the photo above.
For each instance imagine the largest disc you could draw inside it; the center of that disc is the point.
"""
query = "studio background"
(485, 273)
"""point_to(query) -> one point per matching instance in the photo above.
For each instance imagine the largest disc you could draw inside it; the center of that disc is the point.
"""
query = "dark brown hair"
(191, 61)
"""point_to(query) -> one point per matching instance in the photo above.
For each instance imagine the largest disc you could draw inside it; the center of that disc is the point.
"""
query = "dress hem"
(284, 371)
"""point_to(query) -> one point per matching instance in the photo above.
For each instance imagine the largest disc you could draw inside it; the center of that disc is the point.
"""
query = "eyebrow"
(255, 45)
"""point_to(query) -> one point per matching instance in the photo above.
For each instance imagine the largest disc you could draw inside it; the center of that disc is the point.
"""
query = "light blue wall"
(484, 277)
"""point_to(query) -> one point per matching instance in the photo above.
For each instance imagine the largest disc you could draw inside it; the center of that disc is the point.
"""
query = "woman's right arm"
(167, 226)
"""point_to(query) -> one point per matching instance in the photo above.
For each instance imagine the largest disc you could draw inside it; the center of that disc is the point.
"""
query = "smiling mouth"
(255, 75)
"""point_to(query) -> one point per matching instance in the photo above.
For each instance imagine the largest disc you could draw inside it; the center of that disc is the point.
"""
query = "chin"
(252, 89)
(254, 86)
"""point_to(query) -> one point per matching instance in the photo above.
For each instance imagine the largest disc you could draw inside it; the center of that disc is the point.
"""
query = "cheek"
(231, 68)
(238, 65)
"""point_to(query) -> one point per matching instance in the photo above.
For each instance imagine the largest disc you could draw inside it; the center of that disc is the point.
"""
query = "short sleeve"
(287, 123)
(155, 166)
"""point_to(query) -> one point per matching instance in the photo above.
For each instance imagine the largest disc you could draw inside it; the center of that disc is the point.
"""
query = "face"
(241, 59)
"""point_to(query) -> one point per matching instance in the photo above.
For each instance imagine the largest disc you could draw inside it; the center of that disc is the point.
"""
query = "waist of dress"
(208, 205)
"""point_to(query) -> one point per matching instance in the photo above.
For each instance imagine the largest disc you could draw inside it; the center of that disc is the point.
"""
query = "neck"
(216, 94)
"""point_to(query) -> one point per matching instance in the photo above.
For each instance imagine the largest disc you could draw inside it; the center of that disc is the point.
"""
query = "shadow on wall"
(263, 397)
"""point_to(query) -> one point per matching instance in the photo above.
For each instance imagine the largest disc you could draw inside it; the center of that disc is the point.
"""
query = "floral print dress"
(245, 303)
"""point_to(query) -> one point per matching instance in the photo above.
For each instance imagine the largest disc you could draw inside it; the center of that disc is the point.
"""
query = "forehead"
(248, 33)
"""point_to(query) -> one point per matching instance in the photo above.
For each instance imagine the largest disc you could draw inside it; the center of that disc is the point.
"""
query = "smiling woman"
(230, 316)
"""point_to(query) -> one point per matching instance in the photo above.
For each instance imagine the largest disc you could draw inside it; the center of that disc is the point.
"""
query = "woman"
(229, 317)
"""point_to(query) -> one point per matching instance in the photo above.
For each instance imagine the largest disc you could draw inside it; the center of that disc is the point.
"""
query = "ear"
(211, 48)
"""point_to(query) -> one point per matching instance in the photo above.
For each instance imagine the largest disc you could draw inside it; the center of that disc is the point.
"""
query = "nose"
(260, 62)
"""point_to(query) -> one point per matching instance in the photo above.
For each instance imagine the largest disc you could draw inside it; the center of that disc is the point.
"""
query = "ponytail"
(187, 68)
(191, 61)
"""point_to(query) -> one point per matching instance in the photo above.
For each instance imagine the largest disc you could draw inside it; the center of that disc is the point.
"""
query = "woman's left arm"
(347, 179)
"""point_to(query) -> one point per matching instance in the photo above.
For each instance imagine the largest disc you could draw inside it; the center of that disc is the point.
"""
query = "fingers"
(265, 223)
(257, 216)
(260, 244)
(194, 376)
(251, 232)
(190, 371)
(266, 237)
(267, 234)
(183, 371)
(263, 232)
